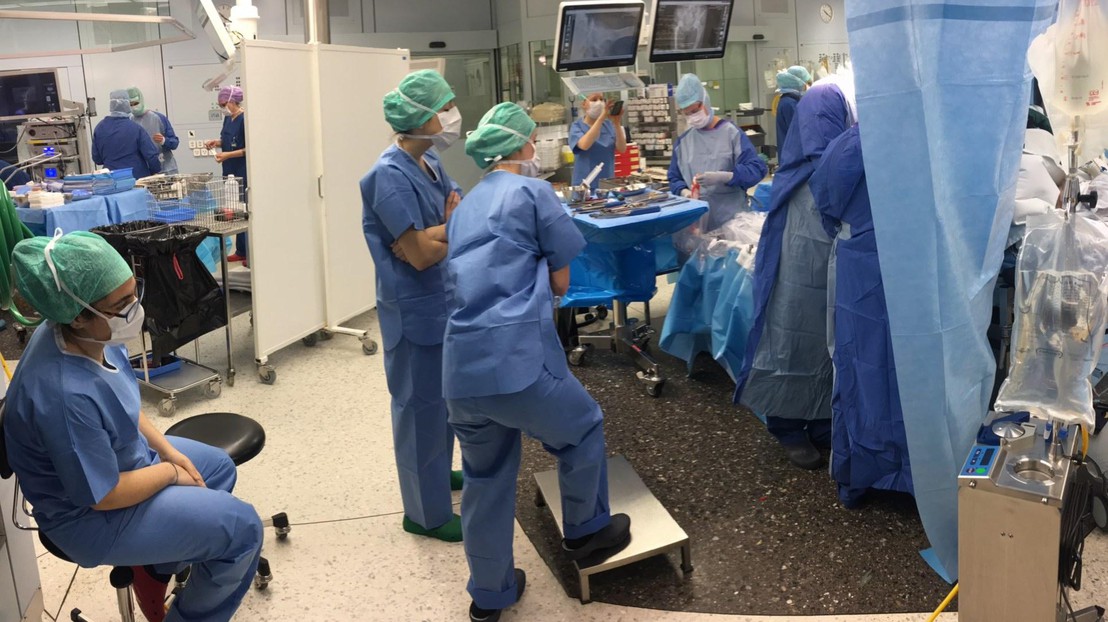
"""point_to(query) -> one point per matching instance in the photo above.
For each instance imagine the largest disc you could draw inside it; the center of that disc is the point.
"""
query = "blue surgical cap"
(119, 103)
(690, 91)
(788, 80)
(801, 73)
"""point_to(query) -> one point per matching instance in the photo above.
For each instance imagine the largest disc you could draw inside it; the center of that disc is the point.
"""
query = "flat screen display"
(593, 35)
(29, 94)
(690, 30)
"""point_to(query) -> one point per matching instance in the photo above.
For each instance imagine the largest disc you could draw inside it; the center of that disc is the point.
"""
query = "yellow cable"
(7, 370)
(945, 604)
(1084, 442)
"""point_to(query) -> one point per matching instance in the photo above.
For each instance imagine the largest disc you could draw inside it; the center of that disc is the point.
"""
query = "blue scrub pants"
(796, 431)
(241, 248)
(561, 414)
(422, 438)
(219, 535)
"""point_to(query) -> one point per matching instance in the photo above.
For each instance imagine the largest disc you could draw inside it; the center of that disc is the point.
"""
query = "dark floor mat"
(767, 538)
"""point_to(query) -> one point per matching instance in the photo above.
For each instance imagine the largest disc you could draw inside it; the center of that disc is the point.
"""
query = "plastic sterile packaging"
(1061, 308)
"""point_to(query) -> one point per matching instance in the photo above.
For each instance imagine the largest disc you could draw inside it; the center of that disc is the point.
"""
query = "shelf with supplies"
(653, 123)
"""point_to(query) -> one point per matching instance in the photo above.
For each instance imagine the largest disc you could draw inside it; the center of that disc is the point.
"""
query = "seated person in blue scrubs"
(407, 198)
(106, 486)
(118, 142)
(504, 371)
(595, 137)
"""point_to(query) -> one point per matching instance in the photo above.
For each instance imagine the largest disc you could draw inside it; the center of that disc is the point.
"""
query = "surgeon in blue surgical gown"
(787, 372)
(869, 446)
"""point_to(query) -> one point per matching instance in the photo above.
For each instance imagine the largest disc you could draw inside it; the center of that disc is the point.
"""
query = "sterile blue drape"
(942, 92)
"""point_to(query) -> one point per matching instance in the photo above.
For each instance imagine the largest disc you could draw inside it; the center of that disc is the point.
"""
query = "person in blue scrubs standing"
(118, 142)
(159, 128)
(869, 445)
(790, 88)
(787, 371)
(504, 370)
(407, 198)
(232, 154)
(714, 154)
(595, 138)
(106, 486)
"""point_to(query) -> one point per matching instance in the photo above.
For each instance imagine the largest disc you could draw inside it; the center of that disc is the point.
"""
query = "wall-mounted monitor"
(690, 30)
(599, 34)
(28, 94)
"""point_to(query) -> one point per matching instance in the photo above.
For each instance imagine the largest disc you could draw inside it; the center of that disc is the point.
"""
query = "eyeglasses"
(131, 310)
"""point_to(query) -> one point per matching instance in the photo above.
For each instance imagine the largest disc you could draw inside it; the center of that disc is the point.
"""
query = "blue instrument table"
(618, 265)
(83, 215)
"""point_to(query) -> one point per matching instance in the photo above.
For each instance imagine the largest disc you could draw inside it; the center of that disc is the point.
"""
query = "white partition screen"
(352, 84)
(282, 150)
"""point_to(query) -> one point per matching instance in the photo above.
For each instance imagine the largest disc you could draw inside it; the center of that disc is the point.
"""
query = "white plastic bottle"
(232, 196)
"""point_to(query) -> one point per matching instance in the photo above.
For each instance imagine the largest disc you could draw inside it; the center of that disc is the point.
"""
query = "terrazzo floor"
(766, 539)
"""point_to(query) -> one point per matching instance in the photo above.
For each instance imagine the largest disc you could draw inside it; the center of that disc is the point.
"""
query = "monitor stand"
(602, 83)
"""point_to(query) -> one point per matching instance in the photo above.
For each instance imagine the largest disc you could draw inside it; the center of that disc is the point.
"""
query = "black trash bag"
(116, 235)
(183, 300)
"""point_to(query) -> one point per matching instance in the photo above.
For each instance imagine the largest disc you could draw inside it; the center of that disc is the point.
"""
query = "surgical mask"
(451, 121)
(699, 119)
(125, 327)
(594, 108)
(225, 111)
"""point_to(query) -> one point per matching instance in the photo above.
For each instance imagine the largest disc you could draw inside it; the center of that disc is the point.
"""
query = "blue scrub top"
(232, 138)
(506, 237)
(786, 112)
(398, 195)
(603, 150)
(71, 427)
(119, 142)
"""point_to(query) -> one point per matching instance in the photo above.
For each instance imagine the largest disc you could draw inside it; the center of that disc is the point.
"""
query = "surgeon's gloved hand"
(686, 193)
(717, 178)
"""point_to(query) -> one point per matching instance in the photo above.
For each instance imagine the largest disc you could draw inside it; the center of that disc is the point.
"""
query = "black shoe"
(804, 455)
(607, 542)
(477, 614)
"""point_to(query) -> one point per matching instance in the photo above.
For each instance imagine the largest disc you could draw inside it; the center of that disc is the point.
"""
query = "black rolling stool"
(243, 439)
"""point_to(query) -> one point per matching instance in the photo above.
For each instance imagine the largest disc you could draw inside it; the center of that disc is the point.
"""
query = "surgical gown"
(155, 122)
(71, 427)
(869, 446)
(505, 373)
(721, 148)
(603, 151)
(119, 142)
(398, 195)
(787, 372)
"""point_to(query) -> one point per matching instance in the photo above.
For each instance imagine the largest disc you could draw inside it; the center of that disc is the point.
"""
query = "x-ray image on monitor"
(595, 35)
(690, 30)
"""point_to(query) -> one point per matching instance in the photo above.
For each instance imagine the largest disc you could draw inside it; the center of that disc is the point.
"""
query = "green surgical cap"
(429, 92)
(136, 95)
(490, 141)
(88, 266)
(801, 73)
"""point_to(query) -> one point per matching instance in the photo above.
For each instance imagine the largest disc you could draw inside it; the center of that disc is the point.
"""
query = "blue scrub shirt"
(71, 427)
(603, 150)
(506, 237)
(398, 195)
(232, 138)
(119, 142)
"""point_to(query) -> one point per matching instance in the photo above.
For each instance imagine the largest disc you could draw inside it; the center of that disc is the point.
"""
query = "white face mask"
(225, 112)
(451, 121)
(124, 327)
(594, 108)
(527, 168)
(699, 119)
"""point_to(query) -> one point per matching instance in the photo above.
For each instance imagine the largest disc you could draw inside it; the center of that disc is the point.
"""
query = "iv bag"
(1061, 310)
(1070, 60)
